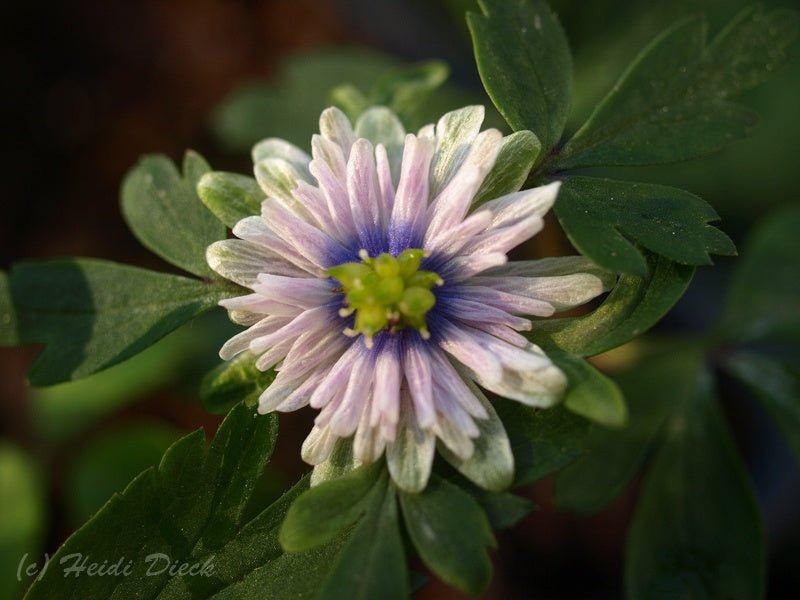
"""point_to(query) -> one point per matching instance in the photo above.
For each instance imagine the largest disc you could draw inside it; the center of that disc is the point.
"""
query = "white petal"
(242, 262)
(241, 341)
(417, 370)
(336, 127)
(554, 266)
(455, 133)
(562, 292)
(510, 208)
(318, 445)
(411, 199)
(381, 126)
(410, 456)
(278, 179)
(278, 148)
(364, 194)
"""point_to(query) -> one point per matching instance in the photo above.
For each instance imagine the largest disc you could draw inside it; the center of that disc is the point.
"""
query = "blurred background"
(90, 87)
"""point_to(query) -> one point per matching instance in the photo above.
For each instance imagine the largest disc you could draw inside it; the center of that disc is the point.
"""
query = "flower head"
(384, 299)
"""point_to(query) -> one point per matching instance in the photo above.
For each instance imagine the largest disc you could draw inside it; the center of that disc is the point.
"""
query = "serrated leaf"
(8, 317)
(525, 64)
(675, 100)
(323, 511)
(188, 509)
(633, 306)
(234, 381)
(164, 213)
(611, 458)
(92, 314)
(590, 393)
(602, 217)
(776, 387)
(450, 532)
(517, 155)
(764, 295)
(230, 196)
(543, 441)
(372, 562)
(22, 520)
(697, 531)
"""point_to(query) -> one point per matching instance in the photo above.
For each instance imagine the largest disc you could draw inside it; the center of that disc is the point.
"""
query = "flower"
(384, 301)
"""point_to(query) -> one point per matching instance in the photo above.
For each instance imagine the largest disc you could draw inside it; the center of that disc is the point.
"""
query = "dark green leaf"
(776, 387)
(674, 101)
(22, 520)
(612, 458)
(543, 441)
(231, 197)
(450, 532)
(93, 314)
(232, 382)
(524, 62)
(696, 532)
(503, 509)
(632, 307)
(190, 509)
(164, 213)
(8, 317)
(406, 89)
(107, 465)
(322, 512)
(590, 393)
(602, 216)
(764, 295)
(372, 563)
(514, 162)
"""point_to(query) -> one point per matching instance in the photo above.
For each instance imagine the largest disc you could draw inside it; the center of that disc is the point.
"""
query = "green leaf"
(524, 62)
(612, 458)
(763, 299)
(92, 314)
(590, 393)
(372, 563)
(326, 509)
(543, 441)
(517, 155)
(166, 216)
(633, 306)
(190, 509)
(22, 520)
(230, 196)
(8, 317)
(106, 465)
(504, 509)
(696, 532)
(674, 101)
(602, 216)
(776, 387)
(232, 382)
(450, 532)
(406, 89)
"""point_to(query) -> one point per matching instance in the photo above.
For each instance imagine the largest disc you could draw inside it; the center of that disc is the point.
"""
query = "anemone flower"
(383, 297)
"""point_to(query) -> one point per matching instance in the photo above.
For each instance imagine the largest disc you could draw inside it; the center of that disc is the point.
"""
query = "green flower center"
(386, 292)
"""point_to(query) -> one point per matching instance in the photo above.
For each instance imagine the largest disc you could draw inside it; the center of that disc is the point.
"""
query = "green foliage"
(450, 532)
(106, 465)
(22, 519)
(543, 441)
(514, 162)
(8, 318)
(678, 93)
(92, 314)
(190, 509)
(231, 197)
(590, 393)
(525, 64)
(322, 512)
(163, 211)
(598, 214)
(696, 532)
(776, 387)
(611, 458)
(633, 306)
(764, 296)
(234, 381)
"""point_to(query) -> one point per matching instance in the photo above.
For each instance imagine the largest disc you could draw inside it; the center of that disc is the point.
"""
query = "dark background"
(88, 87)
